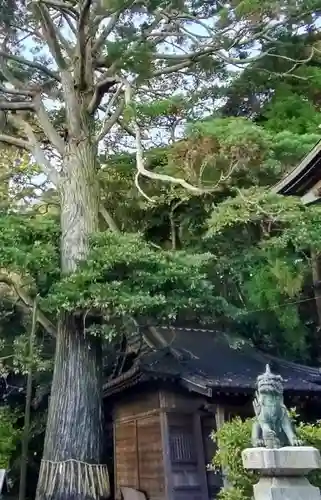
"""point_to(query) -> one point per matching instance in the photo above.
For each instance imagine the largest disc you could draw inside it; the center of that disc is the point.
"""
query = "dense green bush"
(233, 438)
(9, 435)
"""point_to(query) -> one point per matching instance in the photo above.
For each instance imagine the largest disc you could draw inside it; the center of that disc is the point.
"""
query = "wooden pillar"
(220, 419)
(169, 489)
(200, 455)
(316, 276)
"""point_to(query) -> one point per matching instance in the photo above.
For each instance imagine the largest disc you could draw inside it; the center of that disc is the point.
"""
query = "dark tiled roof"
(223, 362)
(207, 361)
(304, 176)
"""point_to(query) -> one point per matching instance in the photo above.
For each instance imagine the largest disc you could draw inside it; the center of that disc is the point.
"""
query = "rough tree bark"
(71, 467)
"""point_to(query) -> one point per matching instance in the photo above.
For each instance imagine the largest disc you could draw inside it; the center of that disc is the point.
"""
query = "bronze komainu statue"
(272, 428)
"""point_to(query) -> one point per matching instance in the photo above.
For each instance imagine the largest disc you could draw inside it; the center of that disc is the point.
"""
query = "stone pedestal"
(283, 472)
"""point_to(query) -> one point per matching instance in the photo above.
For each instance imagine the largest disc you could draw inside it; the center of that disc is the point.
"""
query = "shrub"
(9, 435)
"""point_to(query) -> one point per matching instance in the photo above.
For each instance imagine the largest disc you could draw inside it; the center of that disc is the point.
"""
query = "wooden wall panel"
(170, 400)
(136, 405)
(126, 466)
(138, 447)
(150, 457)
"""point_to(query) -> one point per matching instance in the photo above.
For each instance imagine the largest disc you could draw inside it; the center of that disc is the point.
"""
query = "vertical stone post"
(283, 472)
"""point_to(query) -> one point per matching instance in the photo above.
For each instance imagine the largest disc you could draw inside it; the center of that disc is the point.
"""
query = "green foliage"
(289, 148)
(29, 247)
(22, 360)
(288, 111)
(266, 268)
(233, 437)
(264, 273)
(166, 107)
(9, 435)
(275, 93)
(255, 206)
(270, 259)
(123, 275)
(235, 152)
(224, 152)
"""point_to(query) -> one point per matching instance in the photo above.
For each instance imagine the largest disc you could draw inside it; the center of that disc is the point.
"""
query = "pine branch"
(141, 170)
(15, 82)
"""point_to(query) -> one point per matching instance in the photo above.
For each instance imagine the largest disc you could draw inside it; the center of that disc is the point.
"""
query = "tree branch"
(17, 106)
(108, 219)
(16, 91)
(172, 69)
(47, 126)
(49, 32)
(28, 303)
(14, 141)
(30, 64)
(105, 33)
(70, 23)
(140, 164)
(34, 147)
(15, 82)
(156, 176)
(66, 45)
(102, 87)
(111, 118)
(43, 162)
(83, 41)
(62, 6)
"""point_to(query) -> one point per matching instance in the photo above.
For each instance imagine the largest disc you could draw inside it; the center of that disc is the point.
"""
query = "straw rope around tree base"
(74, 478)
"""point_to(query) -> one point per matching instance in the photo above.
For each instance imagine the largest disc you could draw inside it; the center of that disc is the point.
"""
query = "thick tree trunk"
(71, 467)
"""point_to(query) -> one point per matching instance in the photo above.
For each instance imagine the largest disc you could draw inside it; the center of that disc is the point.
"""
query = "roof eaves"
(298, 170)
(196, 386)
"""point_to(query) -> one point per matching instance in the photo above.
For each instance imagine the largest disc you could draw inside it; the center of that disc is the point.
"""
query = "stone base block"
(287, 461)
(282, 488)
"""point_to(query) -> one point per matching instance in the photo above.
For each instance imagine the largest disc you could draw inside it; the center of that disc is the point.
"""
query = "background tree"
(275, 93)
(271, 313)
